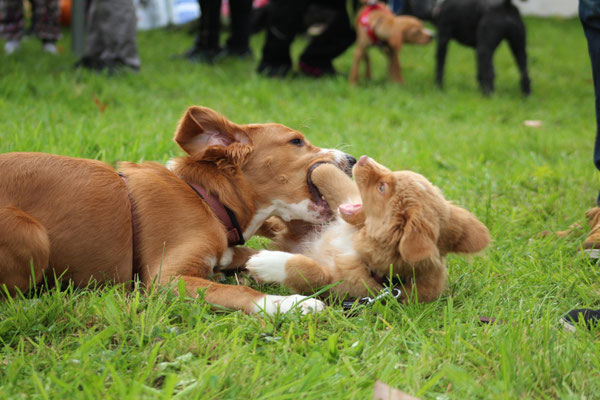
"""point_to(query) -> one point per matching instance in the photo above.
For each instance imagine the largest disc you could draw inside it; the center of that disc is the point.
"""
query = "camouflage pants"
(44, 19)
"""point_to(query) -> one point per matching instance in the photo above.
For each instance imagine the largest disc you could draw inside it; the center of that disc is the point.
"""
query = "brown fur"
(73, 217)
(393, 31)
(404, 221)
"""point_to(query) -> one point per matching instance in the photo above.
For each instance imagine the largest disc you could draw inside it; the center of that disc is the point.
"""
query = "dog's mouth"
(316, 195)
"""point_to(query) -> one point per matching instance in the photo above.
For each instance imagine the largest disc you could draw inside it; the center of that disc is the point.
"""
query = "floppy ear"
(206, 134)
(419, 240)
(465, 233)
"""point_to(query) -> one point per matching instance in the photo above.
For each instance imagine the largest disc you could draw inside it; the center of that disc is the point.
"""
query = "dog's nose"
(350, 160)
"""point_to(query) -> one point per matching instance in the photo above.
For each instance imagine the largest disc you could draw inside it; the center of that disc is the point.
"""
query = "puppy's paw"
(272, 304)
(269, 266)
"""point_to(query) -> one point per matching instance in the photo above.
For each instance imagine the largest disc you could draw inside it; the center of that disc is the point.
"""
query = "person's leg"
(238, 42)
(12, 24)
(45, 16)
(284, 21)
(589, 13)
(206, 45)
(316, 60)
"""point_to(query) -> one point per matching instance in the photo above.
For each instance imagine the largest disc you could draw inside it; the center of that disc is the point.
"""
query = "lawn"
(518, 180)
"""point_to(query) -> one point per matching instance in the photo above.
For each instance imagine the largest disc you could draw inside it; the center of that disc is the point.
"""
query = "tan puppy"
(403, 221)
(78, 219)
(377, 25)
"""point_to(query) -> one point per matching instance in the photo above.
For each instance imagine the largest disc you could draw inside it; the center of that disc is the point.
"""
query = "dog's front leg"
(394, 63)
(237, 297)
(359, 51)
(295, 271)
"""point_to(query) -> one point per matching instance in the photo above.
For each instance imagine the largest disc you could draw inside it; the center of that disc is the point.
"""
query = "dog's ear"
(419, 240)
(206, 134)
(465, 233)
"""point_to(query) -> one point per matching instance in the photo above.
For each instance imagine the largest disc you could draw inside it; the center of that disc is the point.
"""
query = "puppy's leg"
(516, 41)
(367, 59)
(335, 186)
(298, 272)
(395, 68)
(249, 300)
(359, 52)
(24, 243)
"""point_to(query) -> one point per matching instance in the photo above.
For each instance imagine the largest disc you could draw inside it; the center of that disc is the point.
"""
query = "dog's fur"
(404, 221)
(481, 24)
(392, 32)
(73, 217)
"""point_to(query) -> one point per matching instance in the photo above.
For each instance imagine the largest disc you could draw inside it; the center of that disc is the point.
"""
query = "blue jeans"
(589, 13)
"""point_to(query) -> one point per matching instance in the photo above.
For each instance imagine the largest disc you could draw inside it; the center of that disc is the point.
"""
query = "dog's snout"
(350, 160)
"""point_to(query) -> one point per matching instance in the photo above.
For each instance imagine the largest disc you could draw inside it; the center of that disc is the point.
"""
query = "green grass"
(107, 342)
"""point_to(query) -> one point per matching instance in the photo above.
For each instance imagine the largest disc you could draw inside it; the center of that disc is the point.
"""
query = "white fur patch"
(272, 304)
(171, 164)
(226, 257)
(285, 211)
(212, 262)
(337, 154)
(269, 266)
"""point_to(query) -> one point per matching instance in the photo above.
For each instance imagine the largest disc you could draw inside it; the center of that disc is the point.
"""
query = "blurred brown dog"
(377, 25)
(404, 221)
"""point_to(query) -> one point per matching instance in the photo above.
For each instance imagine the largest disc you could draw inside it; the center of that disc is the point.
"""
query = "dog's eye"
(381, 187)
(297, 142)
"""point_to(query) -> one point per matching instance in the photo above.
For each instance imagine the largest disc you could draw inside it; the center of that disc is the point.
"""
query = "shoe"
(273, 70)
(50, 48)
(241, 53)
(591, 244)
(11, 46)
(589, 318)
(316, 72)
(200, 55)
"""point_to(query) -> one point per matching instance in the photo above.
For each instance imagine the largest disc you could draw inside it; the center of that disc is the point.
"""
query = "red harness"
(363, 19)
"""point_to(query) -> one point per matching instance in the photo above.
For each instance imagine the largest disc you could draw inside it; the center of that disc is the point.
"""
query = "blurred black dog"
(481, 24)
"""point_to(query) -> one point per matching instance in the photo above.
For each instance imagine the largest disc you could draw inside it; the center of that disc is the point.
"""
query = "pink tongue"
(349, 209)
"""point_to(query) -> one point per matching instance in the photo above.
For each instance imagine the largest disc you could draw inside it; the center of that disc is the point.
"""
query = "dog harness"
(363, 20)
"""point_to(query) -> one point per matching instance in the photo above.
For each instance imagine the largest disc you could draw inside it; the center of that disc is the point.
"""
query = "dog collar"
(225, 215)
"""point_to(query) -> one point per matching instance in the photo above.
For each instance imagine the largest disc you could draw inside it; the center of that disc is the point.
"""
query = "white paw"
(269, 266)
(272, 304)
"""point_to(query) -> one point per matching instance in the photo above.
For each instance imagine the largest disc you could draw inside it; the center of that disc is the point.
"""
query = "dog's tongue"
(349, 209)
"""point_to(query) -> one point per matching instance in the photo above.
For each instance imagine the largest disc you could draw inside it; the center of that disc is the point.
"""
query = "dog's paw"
(268, 266)
(272, 304)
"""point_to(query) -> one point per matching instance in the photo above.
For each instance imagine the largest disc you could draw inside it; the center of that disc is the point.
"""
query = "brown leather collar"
(225, 215)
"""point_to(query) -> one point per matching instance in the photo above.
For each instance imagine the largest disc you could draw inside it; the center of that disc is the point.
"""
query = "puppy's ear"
(464, 233)
(206, 134)
(419, 240)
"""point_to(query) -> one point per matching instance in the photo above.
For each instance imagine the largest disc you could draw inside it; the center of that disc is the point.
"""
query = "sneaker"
(591, 244)
(589, 318)
(50, 48)
(316, 72)
(241, 53)
(205, 56)
(11, 46)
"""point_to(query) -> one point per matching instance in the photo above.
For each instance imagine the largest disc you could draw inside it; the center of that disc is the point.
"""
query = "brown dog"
(79, 219)
(403, 221)
(377, 25)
